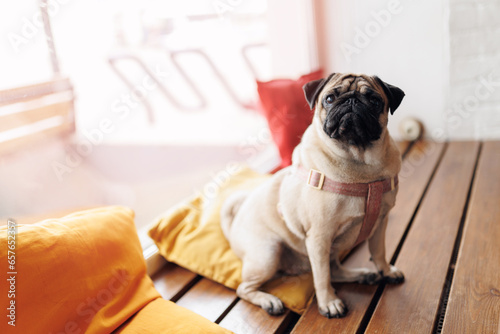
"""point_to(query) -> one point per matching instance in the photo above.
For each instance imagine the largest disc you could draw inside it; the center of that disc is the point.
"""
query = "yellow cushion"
(162, 316)
(83, 273)
(190, 235)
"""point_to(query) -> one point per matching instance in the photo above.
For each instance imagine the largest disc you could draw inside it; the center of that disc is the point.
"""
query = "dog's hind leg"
(229, 210)
(341, 274)
(258, 268)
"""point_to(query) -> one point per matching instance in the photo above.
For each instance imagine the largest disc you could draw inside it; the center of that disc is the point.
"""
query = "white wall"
(402, 42)
(473, 107)
(445, 54)
(292, 38)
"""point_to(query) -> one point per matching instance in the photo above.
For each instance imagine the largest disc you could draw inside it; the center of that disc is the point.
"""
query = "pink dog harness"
(372, 191)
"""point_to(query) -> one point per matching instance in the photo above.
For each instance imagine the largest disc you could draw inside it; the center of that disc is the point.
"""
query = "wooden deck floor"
(444, 233)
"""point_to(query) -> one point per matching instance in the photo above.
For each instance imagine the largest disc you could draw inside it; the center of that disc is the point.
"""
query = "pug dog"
(337, 192)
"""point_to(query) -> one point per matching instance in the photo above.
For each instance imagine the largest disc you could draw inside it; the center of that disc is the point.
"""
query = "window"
(169, 85)
(166, 71)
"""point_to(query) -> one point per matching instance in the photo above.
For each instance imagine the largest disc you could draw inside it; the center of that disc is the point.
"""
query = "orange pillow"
(81, 273)
(162, 316)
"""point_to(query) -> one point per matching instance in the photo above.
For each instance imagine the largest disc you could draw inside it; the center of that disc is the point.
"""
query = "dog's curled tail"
(230, 209)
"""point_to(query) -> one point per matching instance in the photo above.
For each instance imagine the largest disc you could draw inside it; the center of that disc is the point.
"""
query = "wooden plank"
(172, 281)
(208, 299)
(411, 307)
(36, 113)
(474, 301)
(246, 318)
(416, 171)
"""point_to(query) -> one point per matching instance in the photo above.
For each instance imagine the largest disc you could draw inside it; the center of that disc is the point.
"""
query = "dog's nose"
(352, 101)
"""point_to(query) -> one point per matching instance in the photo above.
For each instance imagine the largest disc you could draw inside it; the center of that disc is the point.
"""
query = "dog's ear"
(393, 93)
(313, 88)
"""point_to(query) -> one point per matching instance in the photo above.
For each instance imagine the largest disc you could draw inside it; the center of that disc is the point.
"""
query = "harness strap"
(372, 191)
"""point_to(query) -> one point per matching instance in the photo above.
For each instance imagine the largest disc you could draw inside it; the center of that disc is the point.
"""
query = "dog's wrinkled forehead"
(349, 82)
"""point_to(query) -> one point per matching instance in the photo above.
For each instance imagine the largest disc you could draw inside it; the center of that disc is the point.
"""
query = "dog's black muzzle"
(353, 118)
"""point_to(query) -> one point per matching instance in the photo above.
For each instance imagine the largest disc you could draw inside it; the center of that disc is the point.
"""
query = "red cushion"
(287, 112)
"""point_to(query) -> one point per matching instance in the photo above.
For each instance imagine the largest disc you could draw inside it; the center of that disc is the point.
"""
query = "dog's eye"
(329, 99)
(375, 101)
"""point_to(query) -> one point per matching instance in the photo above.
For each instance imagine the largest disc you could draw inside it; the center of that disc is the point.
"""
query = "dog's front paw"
(333, 309)
(394, 276)
(273, 305)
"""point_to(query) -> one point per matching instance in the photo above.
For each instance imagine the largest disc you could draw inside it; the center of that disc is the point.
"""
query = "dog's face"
(353, 109)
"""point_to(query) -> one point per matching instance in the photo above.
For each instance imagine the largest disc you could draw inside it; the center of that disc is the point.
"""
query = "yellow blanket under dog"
(190, 235)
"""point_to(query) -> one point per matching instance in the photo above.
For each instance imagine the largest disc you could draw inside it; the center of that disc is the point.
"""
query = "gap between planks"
(474, 301)
(443, 303)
